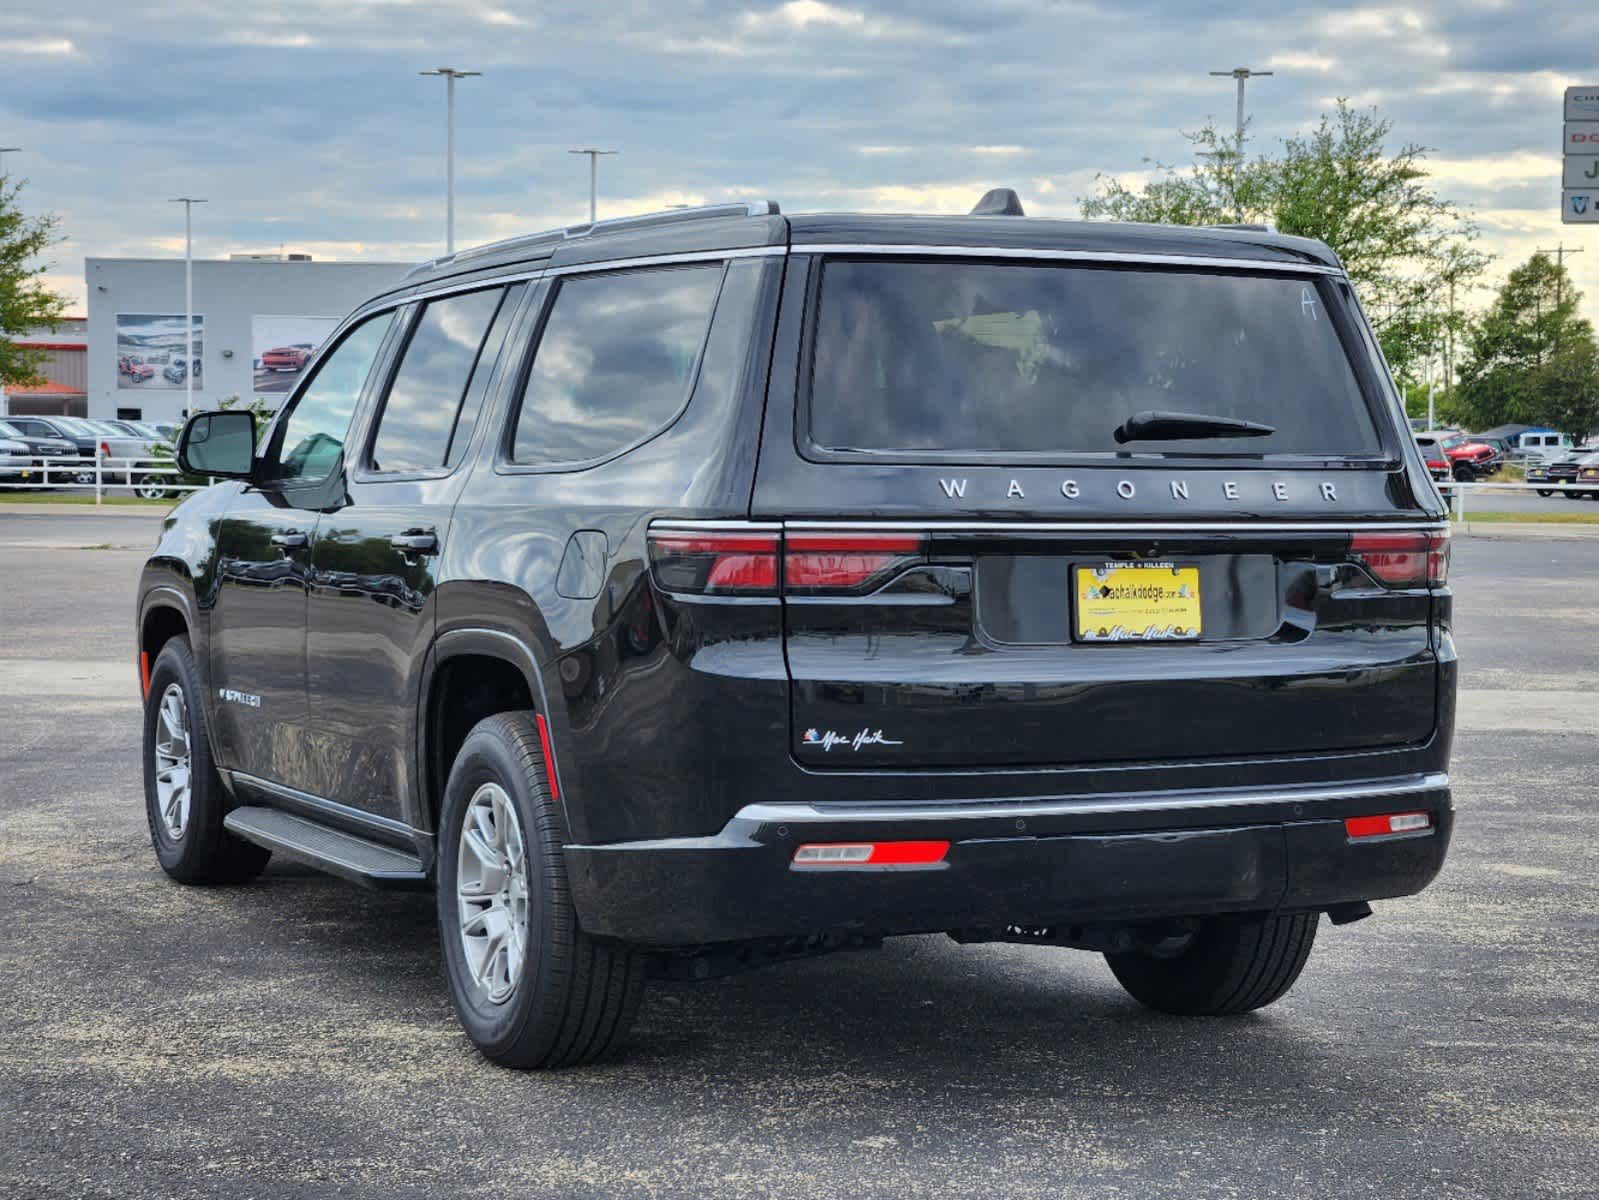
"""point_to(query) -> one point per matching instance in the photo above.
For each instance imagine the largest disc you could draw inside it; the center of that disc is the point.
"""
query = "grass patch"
(1590, 517)
(80, 498)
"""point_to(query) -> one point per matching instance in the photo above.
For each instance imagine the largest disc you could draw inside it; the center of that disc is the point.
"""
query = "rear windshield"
(954, 357)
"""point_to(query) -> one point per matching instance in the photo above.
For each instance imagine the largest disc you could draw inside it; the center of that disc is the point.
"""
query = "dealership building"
(257, 319)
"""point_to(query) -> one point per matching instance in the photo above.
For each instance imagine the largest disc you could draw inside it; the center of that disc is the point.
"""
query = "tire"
(1463, 473)
(572, 999)
(151, 488)
(1546, 492)
(195, 848)
(1235, 964)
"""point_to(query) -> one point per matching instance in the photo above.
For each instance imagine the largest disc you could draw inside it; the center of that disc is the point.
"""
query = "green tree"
(25, 301)
(1396, 236)
(1531, 358)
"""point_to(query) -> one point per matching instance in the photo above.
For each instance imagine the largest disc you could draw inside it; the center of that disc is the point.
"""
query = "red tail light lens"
(1403, 560)
(732, 563)
(845, 562)
(105, 450)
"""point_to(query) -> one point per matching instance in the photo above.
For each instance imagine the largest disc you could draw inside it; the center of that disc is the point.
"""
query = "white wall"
(227, 294)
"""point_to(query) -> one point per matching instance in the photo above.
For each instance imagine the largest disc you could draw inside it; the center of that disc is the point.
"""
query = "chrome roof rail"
(670, 216)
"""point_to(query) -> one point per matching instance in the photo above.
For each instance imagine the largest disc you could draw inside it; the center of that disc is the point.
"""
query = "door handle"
(416, 541)
(289, 539)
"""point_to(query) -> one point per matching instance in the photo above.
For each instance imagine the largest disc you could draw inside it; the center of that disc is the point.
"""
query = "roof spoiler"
(999, 202)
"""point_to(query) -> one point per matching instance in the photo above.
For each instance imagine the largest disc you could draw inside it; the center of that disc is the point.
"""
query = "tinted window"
(424, 400)
(311, 438)
(1015, 359)
(615, 363)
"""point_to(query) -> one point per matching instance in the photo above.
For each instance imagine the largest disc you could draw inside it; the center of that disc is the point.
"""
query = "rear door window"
(615, 364)
(438, 371)
(944, 359)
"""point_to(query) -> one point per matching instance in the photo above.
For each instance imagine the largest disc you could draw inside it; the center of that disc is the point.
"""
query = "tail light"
(710, 561)
(845, 562)
(105, 450)
(1403, 560)
(740, 563)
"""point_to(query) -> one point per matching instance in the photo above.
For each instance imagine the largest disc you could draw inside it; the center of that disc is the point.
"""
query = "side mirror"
(218, 443)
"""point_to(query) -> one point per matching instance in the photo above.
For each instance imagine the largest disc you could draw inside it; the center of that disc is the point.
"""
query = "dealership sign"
(1579, 171)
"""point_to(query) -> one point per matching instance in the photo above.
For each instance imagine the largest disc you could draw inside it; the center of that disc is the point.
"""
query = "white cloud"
(997, 151)
(1370, 23)
(1302, 60)
(49, 46)
(269, 38)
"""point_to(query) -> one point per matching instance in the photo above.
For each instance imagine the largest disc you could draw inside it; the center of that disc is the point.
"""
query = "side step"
(343, 854)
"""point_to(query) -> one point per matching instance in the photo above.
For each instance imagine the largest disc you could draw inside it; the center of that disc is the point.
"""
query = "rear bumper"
(1046, 861)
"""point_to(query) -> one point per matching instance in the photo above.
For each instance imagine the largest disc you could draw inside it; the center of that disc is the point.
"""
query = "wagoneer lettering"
(711, 587)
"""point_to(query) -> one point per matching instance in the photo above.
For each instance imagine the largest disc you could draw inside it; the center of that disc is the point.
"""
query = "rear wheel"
(1235, 964)
(1546, 491)
(183, 796)
(530, 987)
(1464, 473)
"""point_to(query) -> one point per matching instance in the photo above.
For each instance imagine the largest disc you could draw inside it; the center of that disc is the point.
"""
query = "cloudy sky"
(306, 125)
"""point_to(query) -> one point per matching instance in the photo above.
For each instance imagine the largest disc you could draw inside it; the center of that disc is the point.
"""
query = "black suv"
(679, 594)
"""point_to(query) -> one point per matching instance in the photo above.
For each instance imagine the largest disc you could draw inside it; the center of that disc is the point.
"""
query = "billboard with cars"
(281, 346)
(152, 353)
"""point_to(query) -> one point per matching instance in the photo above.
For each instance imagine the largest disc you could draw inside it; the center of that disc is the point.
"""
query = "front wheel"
(1235, 964)
(151, 487)
(183, 796)
(1546, 492)
(530, 987)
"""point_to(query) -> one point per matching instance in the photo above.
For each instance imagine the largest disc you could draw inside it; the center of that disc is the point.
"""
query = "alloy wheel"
(171, 752)
(491, 889)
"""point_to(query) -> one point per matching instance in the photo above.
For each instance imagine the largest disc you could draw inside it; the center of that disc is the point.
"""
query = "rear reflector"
(1403, 560)
(870, 854)
(732, 563)
(1387, 825)
(827, 562)
(549, 757)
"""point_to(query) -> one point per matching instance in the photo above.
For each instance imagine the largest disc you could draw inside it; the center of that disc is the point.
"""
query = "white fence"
(150, 478)
(1455, 492)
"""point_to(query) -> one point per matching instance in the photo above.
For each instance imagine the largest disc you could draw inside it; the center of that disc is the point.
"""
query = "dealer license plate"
(1137, 602)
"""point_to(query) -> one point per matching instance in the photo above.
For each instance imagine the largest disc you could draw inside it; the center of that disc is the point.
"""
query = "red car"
(285, 358)
(1454, 455)
(139, 371)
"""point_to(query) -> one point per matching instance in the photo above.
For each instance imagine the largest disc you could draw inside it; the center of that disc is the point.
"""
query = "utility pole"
(450, 76)
(594, 179)
(188, 203)
(1560, 252)
(5, 150)
(1241, 74)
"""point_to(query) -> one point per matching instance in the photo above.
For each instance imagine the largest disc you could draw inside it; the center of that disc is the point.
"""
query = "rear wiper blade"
(1158, 426)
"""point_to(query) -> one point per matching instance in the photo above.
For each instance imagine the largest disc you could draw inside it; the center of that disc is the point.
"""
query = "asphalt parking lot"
(294, 1037)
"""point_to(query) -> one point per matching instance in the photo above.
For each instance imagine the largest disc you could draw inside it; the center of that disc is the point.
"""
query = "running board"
(343, 854)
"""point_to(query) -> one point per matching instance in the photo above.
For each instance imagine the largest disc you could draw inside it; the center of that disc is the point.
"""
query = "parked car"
(1588, 476)
(779, 584)
(16, 459)
(40, 446)
(174, 373)
(285, 358)
(1556, 472)
(1468, 459)
(1544, 445)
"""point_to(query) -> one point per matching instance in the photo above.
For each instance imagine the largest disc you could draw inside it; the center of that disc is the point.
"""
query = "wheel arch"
(472, 674)
(165, 612)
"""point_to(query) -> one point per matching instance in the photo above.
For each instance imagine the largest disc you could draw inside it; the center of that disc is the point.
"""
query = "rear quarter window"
(942, 359)
(615, 363)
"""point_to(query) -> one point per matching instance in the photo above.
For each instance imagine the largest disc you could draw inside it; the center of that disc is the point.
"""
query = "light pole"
(1241, 74)
(450, 76)
(5, 150)
(594, 179)
(188, 203)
